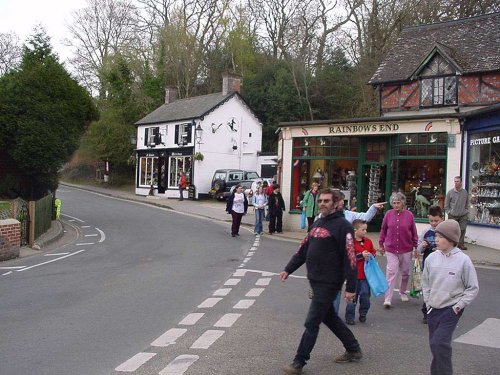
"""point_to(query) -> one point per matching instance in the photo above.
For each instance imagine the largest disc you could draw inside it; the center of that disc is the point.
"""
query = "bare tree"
(10, 52)
(103, 28)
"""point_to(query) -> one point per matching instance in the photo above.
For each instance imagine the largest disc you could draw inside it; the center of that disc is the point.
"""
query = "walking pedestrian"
(398, 238)
(259, 201)
(310, 204)
(329, 254)
(456, 205)
(182, 185)
(449, 285)
(276, 206)
(237, 206)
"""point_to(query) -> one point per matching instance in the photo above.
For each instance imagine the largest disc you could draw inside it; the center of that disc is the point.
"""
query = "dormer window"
(438, 82)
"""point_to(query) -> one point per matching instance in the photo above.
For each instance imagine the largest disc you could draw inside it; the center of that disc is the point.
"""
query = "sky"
(21, 16)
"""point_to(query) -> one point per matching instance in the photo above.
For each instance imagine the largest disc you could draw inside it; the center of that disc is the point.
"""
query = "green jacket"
(308, 203)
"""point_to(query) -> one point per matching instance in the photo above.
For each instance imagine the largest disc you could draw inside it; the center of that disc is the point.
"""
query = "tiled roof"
(183, 109)
(473, 43)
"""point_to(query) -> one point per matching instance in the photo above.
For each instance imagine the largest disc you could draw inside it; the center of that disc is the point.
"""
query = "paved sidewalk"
(212, 209)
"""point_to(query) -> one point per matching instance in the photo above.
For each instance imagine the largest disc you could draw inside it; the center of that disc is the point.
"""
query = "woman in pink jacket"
(398, 238)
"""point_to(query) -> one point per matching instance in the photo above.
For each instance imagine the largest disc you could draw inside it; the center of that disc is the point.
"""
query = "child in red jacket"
(364, 247)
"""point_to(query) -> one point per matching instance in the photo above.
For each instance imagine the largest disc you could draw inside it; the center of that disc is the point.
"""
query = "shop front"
(370, 159)
(159, 169)
(483, 176)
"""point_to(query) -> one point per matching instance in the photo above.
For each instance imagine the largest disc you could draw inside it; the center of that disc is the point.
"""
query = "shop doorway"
(162, 181)
(374, 177)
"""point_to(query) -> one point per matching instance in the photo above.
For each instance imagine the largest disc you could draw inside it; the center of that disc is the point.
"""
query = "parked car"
(224, 179)
(258, 181)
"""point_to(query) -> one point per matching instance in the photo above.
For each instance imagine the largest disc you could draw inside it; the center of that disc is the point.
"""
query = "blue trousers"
(442, 323)
(321, 311)
(259, 217)
(362, 297)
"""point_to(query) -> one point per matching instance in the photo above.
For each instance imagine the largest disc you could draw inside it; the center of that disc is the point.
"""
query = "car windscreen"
(252, 175)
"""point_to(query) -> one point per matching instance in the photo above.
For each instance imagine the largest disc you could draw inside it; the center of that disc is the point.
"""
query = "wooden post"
(31, 223)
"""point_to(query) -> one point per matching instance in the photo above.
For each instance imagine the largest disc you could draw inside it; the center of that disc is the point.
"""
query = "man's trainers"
(404, 298)
(351, 322)
(362, 318)
(349, 357)
(387, 305)
(294, 368)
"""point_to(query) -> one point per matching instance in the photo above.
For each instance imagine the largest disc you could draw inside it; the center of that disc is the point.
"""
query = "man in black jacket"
(329, 254)
(276, 206)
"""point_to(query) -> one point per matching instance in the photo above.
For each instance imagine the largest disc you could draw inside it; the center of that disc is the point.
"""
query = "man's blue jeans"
(442, 323)
(362, 297)
(321, 311)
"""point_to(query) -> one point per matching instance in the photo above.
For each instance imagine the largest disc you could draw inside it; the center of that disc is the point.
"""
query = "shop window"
(418, 170)
(148, 171)
(177, 164)
(484, 178)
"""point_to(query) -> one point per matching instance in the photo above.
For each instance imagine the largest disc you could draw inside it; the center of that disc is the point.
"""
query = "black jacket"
(271, 203)
(329, 253)
(229, 205)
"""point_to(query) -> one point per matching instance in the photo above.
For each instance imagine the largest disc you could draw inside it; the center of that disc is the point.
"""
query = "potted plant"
(199, 156)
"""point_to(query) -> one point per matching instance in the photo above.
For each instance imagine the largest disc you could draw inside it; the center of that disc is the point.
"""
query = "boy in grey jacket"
(449, 285)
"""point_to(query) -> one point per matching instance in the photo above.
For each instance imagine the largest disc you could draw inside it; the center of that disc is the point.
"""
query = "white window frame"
(183, 133)
(174, 167)
(148, 178)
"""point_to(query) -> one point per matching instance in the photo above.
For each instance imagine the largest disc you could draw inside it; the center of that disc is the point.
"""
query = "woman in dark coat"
(276, 206)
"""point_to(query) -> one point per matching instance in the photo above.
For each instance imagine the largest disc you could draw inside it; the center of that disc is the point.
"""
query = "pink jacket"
(398, 234)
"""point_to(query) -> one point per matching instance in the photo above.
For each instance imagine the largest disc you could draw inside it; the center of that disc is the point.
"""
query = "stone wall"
(10, 239)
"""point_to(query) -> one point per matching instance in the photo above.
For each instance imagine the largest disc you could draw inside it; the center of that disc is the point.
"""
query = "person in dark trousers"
(456, 205)
(237, 206)
(449, 286)
(276, 206)
(329, 254)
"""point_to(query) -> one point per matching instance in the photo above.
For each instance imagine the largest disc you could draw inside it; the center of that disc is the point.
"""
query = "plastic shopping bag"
(303, 220)
(375, 277)
(416, 279)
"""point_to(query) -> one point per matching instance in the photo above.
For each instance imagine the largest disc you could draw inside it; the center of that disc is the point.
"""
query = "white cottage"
(196, 135)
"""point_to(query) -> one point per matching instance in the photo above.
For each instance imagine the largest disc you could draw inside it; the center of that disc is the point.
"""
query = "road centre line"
(191, 319)
(132, 364)
(74, 218)
(11, 267)
(254, 292)
(227, 320)
(244, 304)
(54, 254)
(263, 281)
(222, 292)
(6, 273)
(91, 235)
(209, 302)
(179, 365)
(50, 261)
(169, 337)
(84, 243)
(232, 282)
(207, 339)
(85, 226)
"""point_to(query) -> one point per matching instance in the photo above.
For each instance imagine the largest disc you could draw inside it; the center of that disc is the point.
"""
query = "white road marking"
(135, 362)
(179, 365)
(232, 281)
(85, 226)
(54, 254)
(50, 261)
(250, 253)
(240, 273)
(191, 319)
(253, 248)
(209, 302)
(246, 260)
(71, 220)
(254, 292)
(74, 218)
(169, 337)
(207, 339)
(263, 281)
(103, 236)
(227, 320)
(84, 243)
(91, 235)
(7, 273)
(485, 334)
(222, 292)
(244, 304)
(11, 268)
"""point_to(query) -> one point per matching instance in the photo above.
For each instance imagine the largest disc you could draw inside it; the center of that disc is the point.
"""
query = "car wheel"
(219, 185)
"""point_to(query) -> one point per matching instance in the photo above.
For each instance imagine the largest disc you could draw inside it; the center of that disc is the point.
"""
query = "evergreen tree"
(43, 113)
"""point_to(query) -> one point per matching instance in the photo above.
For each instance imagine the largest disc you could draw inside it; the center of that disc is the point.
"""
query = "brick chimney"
(230, 83)
(170, 94)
